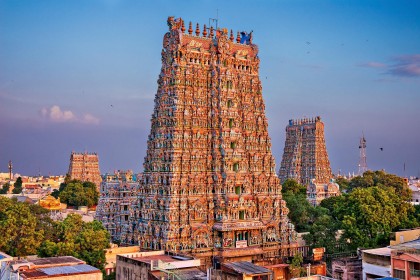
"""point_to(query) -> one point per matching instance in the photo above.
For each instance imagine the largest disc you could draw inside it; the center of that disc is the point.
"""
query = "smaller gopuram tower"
(305, 156)
(85, 167)
(118, 204)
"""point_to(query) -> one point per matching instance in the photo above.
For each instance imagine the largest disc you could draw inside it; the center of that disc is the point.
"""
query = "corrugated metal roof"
(33, 273)
(247, 268)
(68, 269)
(56, 260)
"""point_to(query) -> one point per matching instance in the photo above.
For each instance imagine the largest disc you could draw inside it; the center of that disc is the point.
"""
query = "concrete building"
(347, 268)
(405, 260)
(158, 265)
(55, 268)
(244, 271)
(403, 236)
(111, 256)
(4, 261)
(404, 248)
(376, 263)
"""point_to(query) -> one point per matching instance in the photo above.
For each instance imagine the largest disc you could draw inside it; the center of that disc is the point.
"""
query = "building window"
(238, 189)
(232, 145)
(242, 215)
(400, 274)
(230, 103)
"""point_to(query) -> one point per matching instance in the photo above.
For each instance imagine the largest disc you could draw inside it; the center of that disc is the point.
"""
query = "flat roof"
(184, 273)
(414, 244)
(385, 251)
(149, 259)
(59, 270)
(56, 261)
(247, 268)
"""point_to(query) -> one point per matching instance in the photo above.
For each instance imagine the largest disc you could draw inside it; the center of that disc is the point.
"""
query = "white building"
(376, 263)
(414, 185)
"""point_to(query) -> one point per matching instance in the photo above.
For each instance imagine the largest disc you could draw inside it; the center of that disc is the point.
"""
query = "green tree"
(48, 249)
(17, 186)
(55, 193)
(44, 222)
(76, 193)
(322, 233)
(5, 188)
(111, 276)
(18, 229)
(381, 179)
(293, 186)
(369, 215)
(91, 193)
(296, 269)
(343, 183)
(86, 241)
(300, 210)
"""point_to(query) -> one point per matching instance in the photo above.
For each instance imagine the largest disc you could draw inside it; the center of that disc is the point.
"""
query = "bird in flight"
(381, 149)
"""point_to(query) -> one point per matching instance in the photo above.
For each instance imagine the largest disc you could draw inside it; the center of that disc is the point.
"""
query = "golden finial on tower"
(231, 35)
(190, 29)
(204, 31)
(211, 32)
(197, 30)
(238, 38)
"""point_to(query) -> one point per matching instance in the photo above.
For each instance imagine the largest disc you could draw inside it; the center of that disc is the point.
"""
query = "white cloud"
(56, 114)
(88, 118)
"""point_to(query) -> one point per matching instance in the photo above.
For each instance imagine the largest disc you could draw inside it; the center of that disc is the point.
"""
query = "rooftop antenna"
(214, 20)
(362, 159)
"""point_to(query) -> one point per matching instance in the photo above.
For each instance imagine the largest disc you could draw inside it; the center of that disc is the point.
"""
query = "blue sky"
(64, 63)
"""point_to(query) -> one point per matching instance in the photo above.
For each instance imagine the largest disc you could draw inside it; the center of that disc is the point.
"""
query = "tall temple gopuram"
(209, 186)
(305, 156)
(85, 167)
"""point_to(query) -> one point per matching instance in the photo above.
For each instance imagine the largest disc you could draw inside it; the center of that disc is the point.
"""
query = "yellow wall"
(405, 236)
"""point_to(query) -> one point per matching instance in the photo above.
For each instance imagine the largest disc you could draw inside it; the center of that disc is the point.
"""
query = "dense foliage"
(5, 188)
(17, 186)
(375, 205)
(28, 229)
(77, 193)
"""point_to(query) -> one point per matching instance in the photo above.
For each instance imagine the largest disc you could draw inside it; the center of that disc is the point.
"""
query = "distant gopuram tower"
(209, 186)
(85, 167)
(305, 156)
